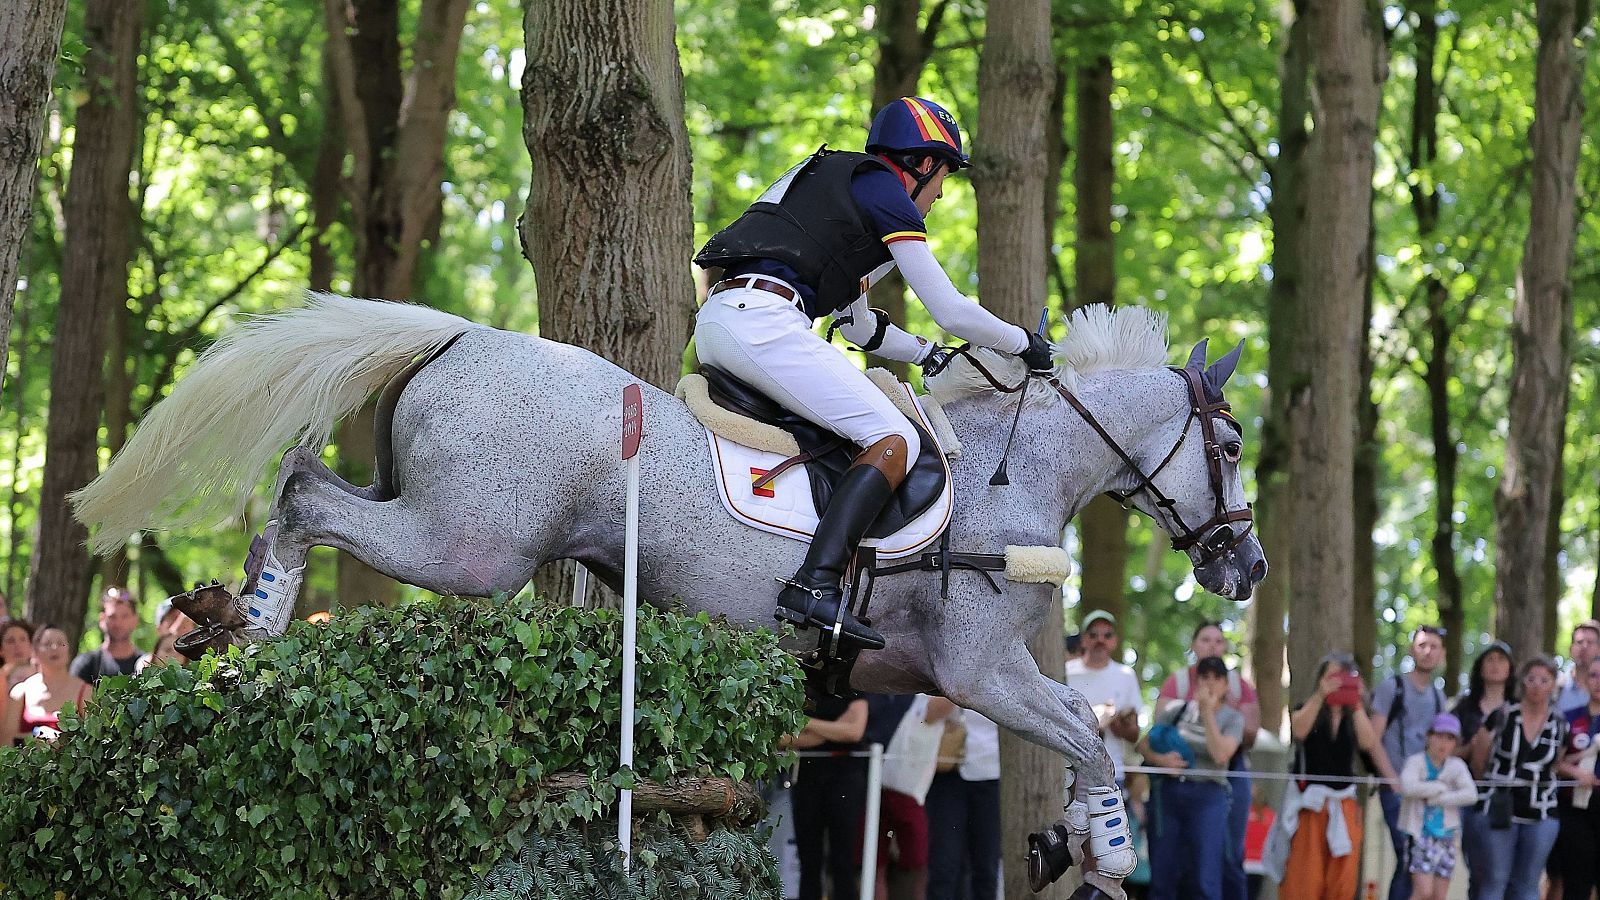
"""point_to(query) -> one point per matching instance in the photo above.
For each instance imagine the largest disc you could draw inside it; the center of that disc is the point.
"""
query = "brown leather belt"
(759, 283)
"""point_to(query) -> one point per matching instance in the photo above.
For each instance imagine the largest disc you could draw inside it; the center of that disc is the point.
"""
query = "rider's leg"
(812, 597)
(768, 343)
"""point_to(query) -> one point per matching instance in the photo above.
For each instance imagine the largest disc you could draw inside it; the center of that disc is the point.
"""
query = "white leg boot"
(270, 603)
(1110, 840)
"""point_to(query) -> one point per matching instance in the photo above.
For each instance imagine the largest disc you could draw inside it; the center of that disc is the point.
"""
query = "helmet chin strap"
(904, 162)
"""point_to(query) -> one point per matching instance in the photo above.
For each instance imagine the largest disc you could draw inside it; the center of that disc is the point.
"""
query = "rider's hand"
(1038, 356)
(937, 360)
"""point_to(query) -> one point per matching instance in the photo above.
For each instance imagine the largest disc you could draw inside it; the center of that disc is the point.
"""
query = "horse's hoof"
(194, 644)
(1049, 856)
(1087, 891)
(210, 604)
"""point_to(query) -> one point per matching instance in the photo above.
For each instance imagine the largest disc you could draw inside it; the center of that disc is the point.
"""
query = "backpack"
(1397, 711)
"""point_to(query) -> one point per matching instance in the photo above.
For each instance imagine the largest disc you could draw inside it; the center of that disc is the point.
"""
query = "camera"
(1349, 691)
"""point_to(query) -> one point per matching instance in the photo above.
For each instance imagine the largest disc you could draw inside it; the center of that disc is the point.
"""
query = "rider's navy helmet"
(915, 125)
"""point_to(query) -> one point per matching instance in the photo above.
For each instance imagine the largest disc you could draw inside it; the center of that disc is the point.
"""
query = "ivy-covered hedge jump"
(396, 753)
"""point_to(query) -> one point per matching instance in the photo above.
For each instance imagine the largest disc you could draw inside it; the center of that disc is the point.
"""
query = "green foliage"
(391, 753)
(568, 865)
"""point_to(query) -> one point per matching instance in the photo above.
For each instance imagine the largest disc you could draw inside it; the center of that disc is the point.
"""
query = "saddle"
(827, 456)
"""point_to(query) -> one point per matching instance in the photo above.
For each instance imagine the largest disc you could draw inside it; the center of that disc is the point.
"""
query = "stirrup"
(1049, 856)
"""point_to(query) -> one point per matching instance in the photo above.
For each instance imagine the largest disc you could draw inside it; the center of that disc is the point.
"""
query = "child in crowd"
(1435, 785)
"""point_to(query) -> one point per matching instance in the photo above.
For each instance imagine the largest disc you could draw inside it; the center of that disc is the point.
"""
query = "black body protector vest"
(808, 221)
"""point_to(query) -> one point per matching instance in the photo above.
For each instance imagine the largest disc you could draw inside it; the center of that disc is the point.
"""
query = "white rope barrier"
(1369, 780)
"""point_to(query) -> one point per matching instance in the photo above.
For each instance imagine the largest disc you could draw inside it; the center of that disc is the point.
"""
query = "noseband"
(1214, 537)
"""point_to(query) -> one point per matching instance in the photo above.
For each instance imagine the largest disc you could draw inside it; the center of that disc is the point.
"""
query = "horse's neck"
(1060, 460)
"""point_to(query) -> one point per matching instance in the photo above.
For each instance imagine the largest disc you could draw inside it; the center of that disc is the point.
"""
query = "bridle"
(1215, 537)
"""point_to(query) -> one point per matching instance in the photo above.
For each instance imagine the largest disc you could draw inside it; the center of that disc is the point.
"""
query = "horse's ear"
(1197, 356)
(1217, 374)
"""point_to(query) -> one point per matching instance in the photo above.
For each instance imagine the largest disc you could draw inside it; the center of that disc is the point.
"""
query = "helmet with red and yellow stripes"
(912, 125)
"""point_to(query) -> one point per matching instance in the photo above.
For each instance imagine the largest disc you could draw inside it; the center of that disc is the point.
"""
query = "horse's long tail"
(269, 381)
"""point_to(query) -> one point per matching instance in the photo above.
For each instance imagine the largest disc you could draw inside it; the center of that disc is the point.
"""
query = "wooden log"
(718, 799)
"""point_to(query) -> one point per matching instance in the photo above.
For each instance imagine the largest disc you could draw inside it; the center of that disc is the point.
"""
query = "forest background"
(389, 156)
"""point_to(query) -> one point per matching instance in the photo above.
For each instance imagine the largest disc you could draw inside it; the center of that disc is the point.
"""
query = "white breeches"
(767, 342)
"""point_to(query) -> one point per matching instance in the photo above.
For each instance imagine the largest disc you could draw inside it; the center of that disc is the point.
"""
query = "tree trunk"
(1364, 505)
(1103, 524)
(393, 123)
(326, 208)
(608, 226)
(903, 48)
(1032, 778)
(30, 40)
(1347, 72)
(99, 232)
(1286, 209)
(1541, 321)
(1016, 75)
(118, 419)
(1423, 150)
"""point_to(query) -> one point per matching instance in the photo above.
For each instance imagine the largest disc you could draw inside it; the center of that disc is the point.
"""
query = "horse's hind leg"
(444, 553)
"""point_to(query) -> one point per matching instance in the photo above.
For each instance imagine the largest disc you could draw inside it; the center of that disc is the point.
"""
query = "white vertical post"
(580, 586)
(869, 836)
(632, 431)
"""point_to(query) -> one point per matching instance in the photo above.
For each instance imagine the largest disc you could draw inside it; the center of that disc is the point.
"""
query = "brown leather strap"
(796, 460)
(759, 283)
(887, 456)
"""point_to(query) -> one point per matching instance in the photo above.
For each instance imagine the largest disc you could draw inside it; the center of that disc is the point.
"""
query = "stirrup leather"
(1110, 840)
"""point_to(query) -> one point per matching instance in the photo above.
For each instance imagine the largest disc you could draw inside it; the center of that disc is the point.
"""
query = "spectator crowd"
(1490, 789)
(1494, 786)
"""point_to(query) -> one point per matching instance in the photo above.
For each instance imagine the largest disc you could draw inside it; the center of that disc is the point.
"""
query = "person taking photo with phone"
(1313, 849)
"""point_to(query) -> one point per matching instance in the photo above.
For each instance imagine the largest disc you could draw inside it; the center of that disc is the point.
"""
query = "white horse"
(497, 453)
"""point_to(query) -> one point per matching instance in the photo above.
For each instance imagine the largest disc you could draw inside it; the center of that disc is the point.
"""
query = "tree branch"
(342, 67)
(1234, 154)
(1214, 87)
(182, 338)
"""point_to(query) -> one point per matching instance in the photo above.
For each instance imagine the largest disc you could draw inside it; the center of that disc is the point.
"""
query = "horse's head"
(1188, 481)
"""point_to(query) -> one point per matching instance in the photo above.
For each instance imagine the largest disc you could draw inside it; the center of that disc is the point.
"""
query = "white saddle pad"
(785, 506)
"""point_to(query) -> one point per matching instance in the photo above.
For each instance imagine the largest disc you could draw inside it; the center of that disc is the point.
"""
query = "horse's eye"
(1232, 451)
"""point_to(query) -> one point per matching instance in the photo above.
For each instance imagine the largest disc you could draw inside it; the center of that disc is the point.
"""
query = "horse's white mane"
(1099, 338)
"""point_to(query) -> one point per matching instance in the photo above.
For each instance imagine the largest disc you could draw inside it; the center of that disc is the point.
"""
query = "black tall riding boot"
(811, 599)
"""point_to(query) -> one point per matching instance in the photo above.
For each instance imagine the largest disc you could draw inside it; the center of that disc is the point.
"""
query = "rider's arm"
(948, 306)
(859, 325)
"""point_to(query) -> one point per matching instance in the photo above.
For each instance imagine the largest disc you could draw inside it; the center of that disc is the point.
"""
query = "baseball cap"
(162, 609)
(1098, 615)
(1444, 723)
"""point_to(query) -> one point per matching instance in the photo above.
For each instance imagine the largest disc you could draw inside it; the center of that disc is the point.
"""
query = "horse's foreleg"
(1051, 715)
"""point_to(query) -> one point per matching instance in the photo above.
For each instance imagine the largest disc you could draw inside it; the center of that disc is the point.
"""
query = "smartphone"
(1349, 691)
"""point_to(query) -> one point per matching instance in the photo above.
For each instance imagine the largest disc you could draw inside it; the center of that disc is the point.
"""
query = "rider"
(809, 247)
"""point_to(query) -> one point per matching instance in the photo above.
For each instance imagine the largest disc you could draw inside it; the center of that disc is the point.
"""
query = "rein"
(1200, 408)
